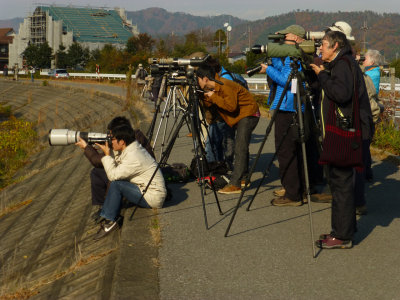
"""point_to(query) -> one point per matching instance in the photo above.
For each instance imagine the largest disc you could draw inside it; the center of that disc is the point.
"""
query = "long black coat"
(337, 84)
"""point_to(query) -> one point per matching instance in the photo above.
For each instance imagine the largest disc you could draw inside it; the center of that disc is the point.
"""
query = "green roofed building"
(91, 27)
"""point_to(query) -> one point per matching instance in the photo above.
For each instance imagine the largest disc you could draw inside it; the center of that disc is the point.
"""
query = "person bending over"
(239, 110)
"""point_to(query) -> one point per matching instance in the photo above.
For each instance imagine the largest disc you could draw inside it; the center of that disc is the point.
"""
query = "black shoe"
(106, 227)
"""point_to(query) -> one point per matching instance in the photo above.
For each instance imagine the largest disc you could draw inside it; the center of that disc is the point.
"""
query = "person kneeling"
(129, 172)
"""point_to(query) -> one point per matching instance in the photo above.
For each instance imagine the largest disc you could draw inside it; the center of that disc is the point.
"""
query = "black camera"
(64, 137)
(345, 123)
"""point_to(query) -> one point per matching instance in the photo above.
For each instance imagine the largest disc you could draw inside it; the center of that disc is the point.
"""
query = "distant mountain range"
(383, 31)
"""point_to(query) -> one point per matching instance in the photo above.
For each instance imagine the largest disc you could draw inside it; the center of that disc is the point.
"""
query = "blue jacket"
(375, 74)
(279, 72)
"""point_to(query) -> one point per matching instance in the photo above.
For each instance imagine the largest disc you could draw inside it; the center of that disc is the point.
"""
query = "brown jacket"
(233, 101)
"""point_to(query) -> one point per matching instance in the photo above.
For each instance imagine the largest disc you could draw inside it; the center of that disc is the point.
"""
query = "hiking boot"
(280, 192)
(230, 189)
(334, 243)
(283, 201)
(361, 210)
(321, 198)
(106, 227)
(243, 182)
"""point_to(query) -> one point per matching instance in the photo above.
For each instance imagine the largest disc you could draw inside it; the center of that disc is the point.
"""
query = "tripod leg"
(303, 148)
(267, 132)
(157, 108)
(271, 162)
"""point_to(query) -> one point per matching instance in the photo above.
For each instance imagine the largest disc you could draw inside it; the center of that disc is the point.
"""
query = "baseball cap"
(295, 29)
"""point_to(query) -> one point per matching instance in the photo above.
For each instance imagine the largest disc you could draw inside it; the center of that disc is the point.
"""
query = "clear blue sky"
(245, 9)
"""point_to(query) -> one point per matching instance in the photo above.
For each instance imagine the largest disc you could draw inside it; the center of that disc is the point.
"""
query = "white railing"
(255, 84)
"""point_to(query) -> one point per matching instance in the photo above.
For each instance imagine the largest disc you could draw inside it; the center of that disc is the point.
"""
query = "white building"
(92, 28)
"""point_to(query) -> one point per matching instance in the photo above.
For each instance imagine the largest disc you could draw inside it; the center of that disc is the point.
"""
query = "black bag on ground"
(214, 168)
(175, 173)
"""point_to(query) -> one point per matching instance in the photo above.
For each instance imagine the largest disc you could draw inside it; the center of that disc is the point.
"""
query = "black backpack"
(142, 74)
(237, 78)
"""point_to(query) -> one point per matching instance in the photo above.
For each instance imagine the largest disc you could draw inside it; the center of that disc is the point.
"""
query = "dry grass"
(34, 288)
(14, 207)
(155, 229)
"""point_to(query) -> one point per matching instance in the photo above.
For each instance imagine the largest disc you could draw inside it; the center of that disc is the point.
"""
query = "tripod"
(175, 103)
(295, 79)
(190, 116)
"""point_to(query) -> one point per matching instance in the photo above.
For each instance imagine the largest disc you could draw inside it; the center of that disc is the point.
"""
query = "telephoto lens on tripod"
(64, 137)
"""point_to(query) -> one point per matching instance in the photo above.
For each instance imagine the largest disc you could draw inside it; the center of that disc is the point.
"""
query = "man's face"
(202, 82)
(328, 53)
(117, 145)
(291, 39)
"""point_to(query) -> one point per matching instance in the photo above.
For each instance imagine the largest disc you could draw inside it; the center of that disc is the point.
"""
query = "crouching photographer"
(98, 177)
(129, 168)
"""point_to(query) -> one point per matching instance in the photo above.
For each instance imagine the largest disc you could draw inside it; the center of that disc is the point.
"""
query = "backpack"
(237, 78)
(142, 74)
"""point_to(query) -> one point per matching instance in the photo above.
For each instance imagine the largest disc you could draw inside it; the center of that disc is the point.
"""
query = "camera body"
(64, 137)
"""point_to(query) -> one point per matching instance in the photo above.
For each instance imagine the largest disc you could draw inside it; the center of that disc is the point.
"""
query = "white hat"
(343, 27)
(140, 65)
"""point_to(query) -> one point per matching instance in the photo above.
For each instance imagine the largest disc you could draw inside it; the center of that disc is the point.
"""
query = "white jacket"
(135, 164)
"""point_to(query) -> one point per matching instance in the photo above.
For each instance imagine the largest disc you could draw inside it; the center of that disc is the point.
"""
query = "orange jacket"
(233, 101)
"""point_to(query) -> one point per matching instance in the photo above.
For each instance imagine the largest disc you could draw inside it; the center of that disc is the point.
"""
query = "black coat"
(337, 85)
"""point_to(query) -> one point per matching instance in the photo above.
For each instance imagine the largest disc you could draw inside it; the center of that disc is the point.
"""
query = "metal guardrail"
(255, 84)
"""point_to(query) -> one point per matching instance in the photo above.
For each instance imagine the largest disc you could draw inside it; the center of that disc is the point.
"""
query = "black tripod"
(190, 116)
(295, 79)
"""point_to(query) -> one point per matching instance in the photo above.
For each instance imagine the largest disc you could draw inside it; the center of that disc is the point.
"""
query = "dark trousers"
(343, 208)
(289, 155)
(99, 183)
(244, 128)
(359, 177)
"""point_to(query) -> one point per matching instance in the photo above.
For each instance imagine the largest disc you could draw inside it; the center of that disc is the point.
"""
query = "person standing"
(287, 146)
(340, 76)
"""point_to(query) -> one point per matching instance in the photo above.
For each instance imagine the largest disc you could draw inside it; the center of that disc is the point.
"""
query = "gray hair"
(375, 56)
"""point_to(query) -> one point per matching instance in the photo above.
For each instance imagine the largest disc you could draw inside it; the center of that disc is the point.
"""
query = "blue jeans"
(117, 190)
(220, 143)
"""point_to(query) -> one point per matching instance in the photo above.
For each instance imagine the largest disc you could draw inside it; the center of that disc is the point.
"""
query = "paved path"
(268, 254)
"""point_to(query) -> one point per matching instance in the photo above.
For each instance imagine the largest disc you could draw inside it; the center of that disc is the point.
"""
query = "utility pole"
(365, 28)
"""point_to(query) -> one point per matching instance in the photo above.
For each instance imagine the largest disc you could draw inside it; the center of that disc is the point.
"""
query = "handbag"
(342, 144)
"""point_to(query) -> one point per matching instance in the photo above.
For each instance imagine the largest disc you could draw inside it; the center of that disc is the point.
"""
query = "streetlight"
(228, 29)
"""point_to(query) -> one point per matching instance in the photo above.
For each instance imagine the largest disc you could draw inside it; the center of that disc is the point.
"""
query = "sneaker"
(230, 189)
(280, 192)
(243, 182)
(106, 227)
(361, 210)
(321, 198)
(334, 243)
(283, 201)
(325, 236)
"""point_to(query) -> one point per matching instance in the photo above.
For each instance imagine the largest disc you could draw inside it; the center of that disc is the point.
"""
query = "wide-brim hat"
(295, 29)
